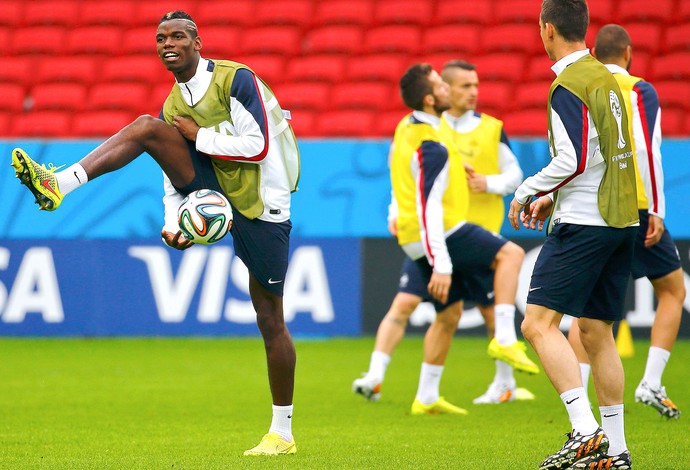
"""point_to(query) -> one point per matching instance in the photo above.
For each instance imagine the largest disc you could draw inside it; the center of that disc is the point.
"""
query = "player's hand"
(438, 286)
(176, 240)
(476, 182)
(186, 126)
(655, 230)
(536, 212)
(393, 227)
(514, 213)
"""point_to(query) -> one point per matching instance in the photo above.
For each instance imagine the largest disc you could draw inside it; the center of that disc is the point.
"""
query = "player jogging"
(221, 128)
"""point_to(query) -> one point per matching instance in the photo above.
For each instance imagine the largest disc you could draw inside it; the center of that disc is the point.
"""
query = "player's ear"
(429, 100)
(197, 43)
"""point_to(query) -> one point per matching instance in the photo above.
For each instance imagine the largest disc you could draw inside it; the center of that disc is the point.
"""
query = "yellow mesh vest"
(627, 82)
(595, 86)
(407, 141)
(479, 149)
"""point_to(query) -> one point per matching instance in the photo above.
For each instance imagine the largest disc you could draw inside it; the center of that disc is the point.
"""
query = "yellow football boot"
(440, 406)
(513, 355)
(40, 180)
(273, 444)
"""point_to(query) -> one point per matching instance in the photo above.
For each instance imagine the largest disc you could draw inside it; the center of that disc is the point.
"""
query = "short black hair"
(415, 85)
(181, 15)
(611, 42)
(455, 64)
(569, 17)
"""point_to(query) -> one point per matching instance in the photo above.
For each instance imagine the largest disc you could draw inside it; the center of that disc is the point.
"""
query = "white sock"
(612, 423)
(656, 363)
(504, 320)
(584, 373)
(71, 178)
(282, 421)
(429, 383)
(378, 365)
(504, 373)
(577, 405)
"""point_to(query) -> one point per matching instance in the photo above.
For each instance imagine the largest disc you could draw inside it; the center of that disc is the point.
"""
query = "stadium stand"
(326, 60)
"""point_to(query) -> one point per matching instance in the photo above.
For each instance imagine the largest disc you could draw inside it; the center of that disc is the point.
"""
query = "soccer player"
(656, 256)
(221, 128)
(492, 172)
(589, 190)
(483, 144)
(429, 187)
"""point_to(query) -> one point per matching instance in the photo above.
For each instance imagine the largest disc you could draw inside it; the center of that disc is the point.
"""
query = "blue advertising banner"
(142, 288)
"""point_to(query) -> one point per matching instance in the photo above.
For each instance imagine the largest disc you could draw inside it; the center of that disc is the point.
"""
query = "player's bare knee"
(510, 253)
(270, 324)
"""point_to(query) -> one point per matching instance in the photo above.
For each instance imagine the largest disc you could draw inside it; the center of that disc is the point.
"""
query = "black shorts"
(472, 250)
(262, 246)
(656, 261)
(583, 271)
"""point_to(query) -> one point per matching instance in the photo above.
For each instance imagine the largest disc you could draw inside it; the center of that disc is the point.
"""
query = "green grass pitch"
(199, 403)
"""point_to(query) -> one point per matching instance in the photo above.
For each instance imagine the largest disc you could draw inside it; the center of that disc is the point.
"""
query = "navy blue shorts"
(472, 250)
(262, 246)
(583, 271)
(656, 261)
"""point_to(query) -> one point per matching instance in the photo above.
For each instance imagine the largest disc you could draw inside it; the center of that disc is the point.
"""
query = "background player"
(582, 270)
(656, 256)
(223, 130)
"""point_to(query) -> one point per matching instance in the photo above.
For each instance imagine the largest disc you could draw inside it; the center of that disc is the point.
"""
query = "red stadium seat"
(333, 40)
(302, 123)
(224, 13)
(51, 12)
(271, 68)
(100, 123)
(150, 12)
(349, 123)
(645, 36)
(678, 38)
(641, 64)
(134, 68)
(17, 70)
(13, 96)
(319, 68)
(539, 68)
(386, 122)
(494, 96)
(48, 40)
(108, 12)
(533, 95)
(344, 12)
(58, 96)
(660, 11)
(271, 40)
(96, 40)
(531, 122)
(402, 39)
(12, 13)
(461, 11)
(42, 124)
(219, 42)
(363, 95)
(672, 122)
(601, 13)
(66, 69)
(303, 96)
(5, 120)
(673, 94)
(674, 66)
(140, 40)
(523, 38)
(158, 95)
(494, 67)
(376, 67)
(459, 39)
(683, 11)
(412, 12)
(517, 11)
(284, 12)
(130, 97)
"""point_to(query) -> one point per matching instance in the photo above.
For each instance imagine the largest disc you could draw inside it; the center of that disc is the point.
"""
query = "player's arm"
(647, 135)
(510, 175)
(249, 143)
(569, 121)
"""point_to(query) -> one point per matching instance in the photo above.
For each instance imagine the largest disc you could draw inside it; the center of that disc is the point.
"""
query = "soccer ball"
(205, 216)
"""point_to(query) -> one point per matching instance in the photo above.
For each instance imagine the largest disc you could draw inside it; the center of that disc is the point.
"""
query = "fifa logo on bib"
(618, 114)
